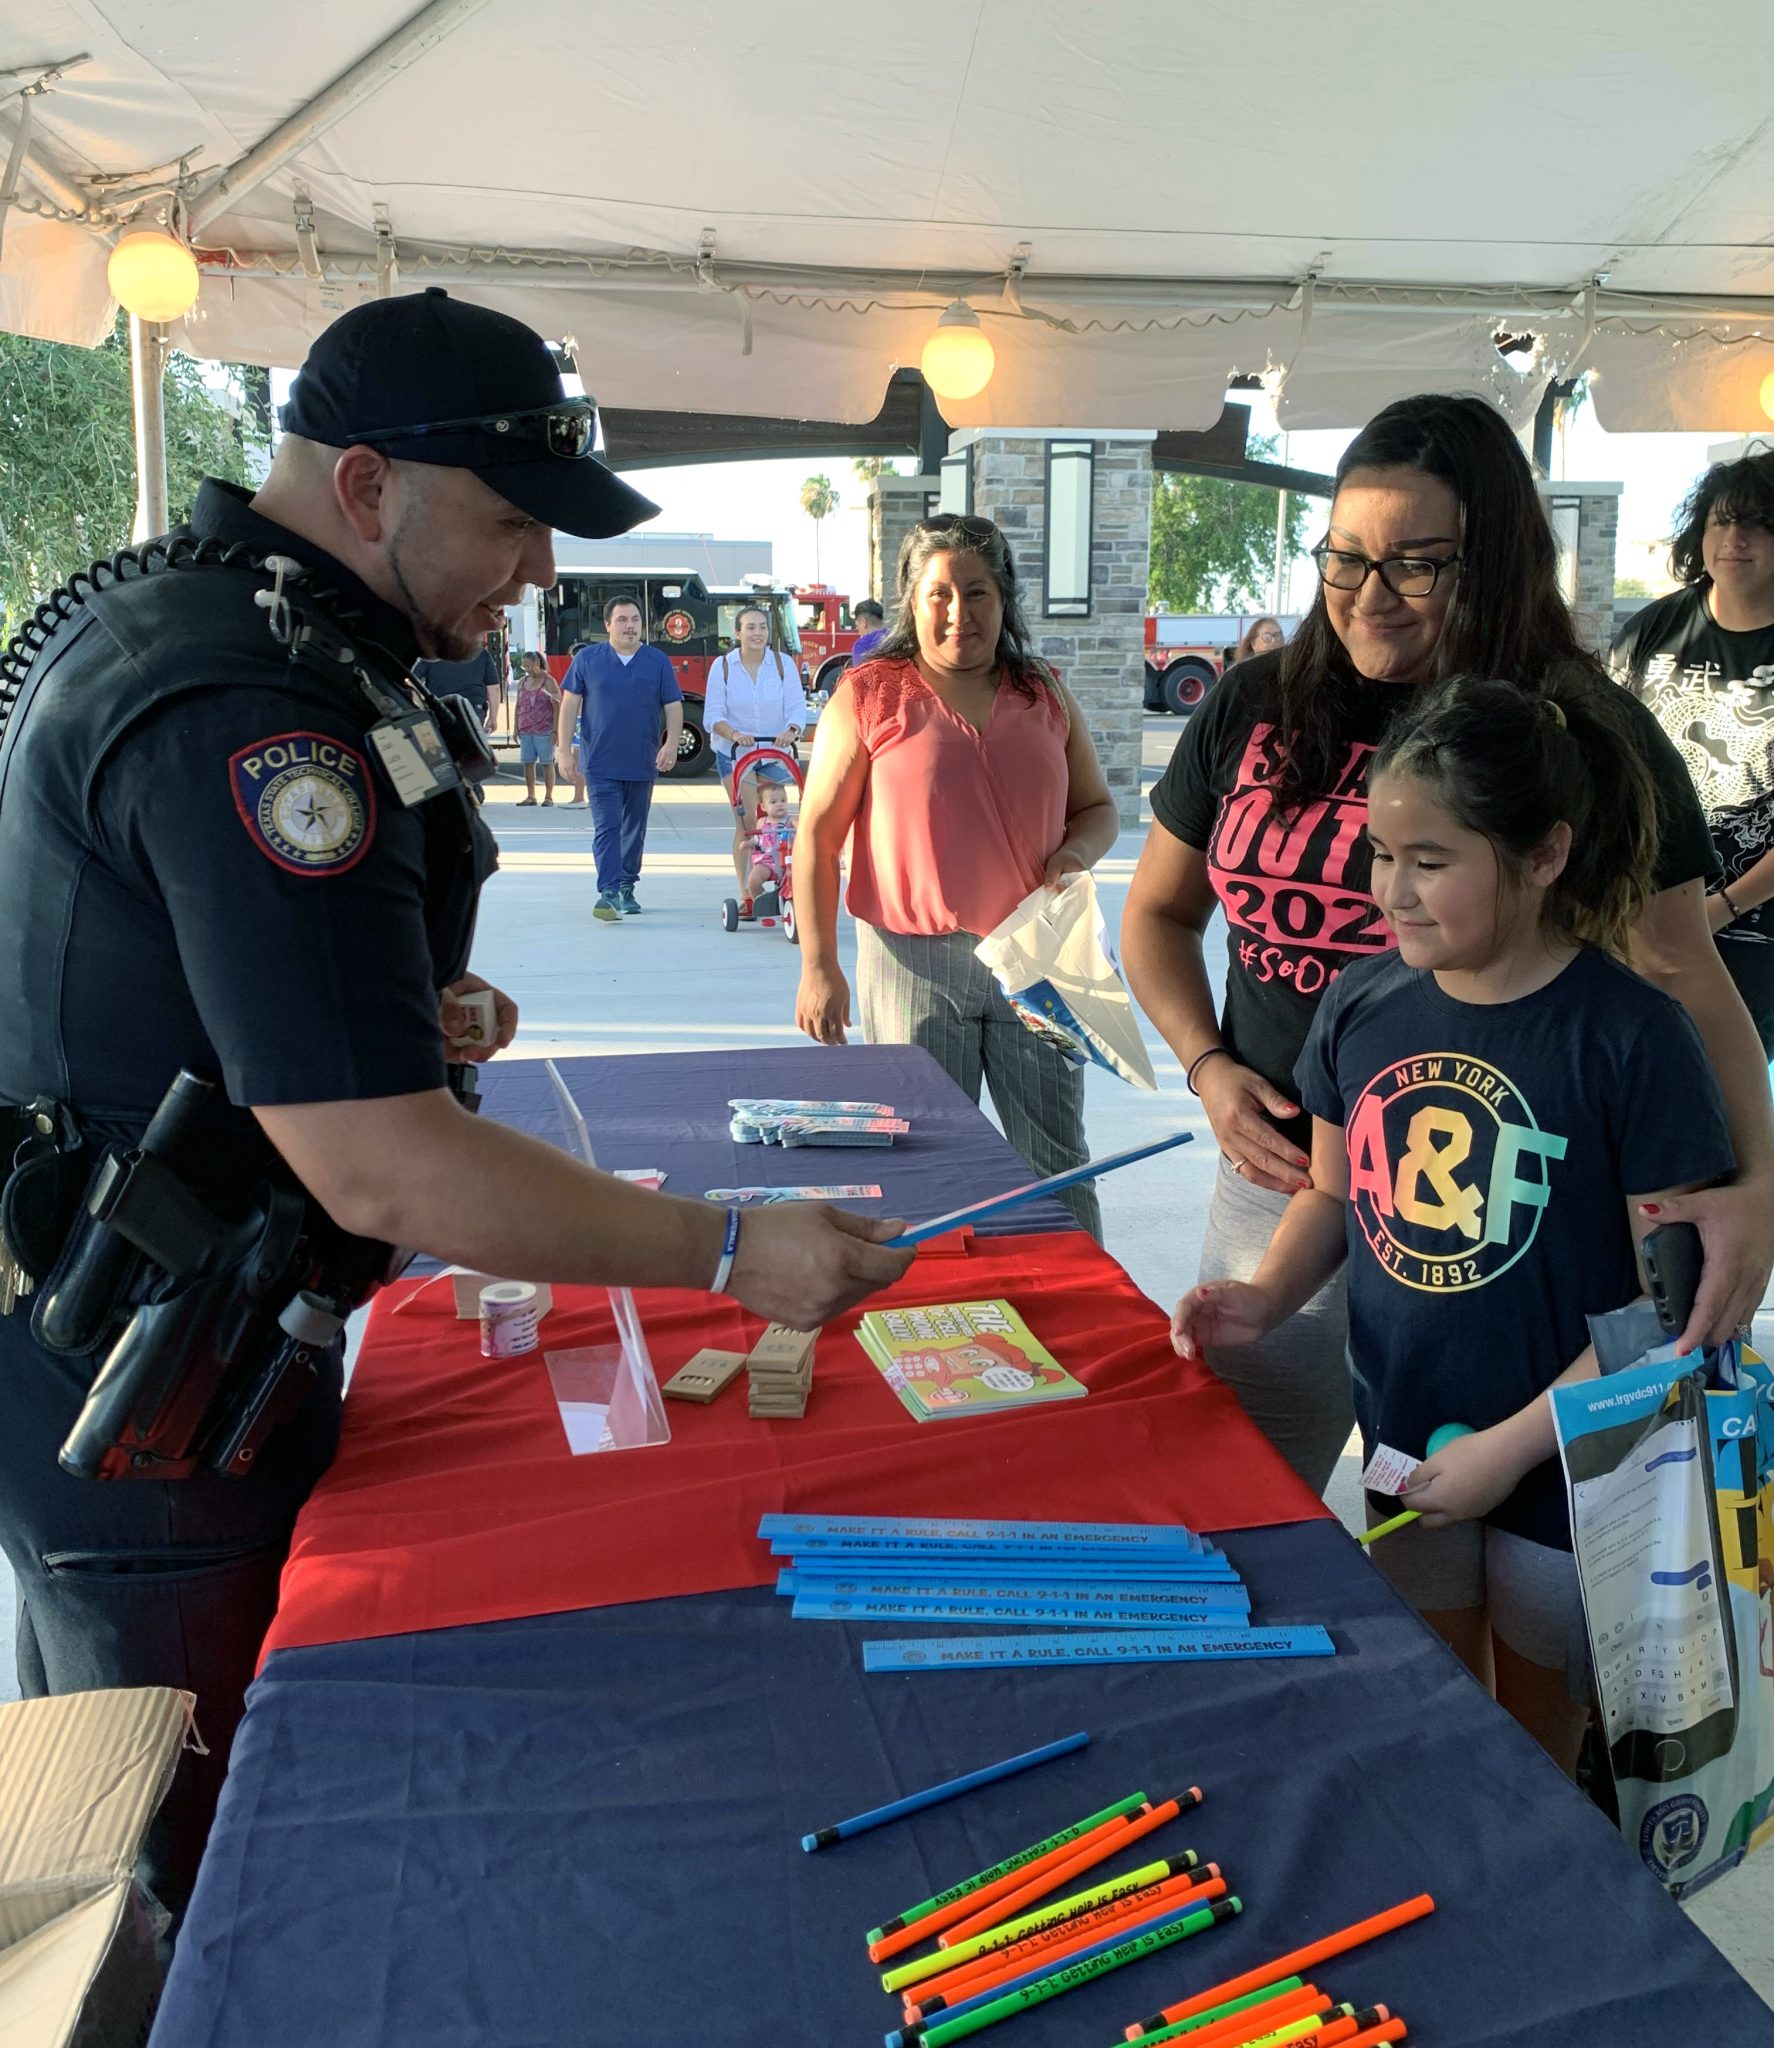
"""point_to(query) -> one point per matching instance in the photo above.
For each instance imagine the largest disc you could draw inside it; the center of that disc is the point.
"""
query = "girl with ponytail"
(1499, 1108)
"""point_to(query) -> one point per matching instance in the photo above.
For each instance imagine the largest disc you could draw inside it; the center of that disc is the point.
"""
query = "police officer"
(237, 840)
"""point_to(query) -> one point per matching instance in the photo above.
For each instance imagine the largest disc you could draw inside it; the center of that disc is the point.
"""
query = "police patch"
(306, 801)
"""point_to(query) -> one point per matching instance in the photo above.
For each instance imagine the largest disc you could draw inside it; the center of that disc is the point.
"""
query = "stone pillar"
(1585, 521)
(896, 504)
(1101, 655)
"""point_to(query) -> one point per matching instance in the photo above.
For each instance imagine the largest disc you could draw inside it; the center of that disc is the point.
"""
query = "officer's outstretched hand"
(456, 1022)
(803, 1263)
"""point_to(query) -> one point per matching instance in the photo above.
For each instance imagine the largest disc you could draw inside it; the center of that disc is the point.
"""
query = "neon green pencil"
(1197, 2021)
(924, 1910)
(1032, 1923)
(1069, 1976)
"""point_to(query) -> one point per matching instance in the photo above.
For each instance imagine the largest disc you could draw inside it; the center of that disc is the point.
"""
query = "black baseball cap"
(428, 378)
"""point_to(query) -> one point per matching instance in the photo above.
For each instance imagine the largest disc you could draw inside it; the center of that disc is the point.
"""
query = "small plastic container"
(509, 1313)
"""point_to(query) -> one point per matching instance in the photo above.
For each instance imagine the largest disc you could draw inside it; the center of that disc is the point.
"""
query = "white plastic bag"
(1052, 959)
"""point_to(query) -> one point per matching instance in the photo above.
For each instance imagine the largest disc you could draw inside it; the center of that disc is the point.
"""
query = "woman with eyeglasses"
(961, 771)
(1438, 562)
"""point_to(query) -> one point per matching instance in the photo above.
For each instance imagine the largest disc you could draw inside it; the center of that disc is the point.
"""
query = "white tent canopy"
(762, 208)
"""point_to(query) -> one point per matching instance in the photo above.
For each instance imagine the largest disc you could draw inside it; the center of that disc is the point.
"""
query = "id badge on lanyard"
(413, 752)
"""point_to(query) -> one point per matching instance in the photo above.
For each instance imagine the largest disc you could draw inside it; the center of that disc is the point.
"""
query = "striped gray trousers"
(933, 992)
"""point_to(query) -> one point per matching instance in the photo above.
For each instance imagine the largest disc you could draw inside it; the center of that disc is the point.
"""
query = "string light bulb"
(1767, 394)
(958, 360)
(153, 275)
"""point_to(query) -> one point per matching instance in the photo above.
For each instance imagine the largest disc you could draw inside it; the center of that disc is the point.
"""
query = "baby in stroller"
(768, 847)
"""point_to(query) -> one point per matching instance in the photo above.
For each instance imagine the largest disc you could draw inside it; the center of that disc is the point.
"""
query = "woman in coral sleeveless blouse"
(960, 770)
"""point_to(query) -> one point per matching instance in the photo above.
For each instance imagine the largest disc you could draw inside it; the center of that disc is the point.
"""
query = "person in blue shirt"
(871, 625)
(622, 702)
(1500, 1110)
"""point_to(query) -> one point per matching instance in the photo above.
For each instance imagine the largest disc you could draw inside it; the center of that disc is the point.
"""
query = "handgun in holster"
(214, 1341)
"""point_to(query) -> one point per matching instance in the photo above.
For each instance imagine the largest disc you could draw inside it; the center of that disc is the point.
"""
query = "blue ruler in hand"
(1092, 1169)
(1149, 1646)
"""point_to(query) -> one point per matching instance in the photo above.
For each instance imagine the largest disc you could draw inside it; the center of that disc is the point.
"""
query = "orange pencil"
(1131, 1906)
(1335, 2026)
(1082, 1859)
(1255, 2021)
(1058, 1943)
(1297, 1959)
(915, 1931)
(1376, 2037)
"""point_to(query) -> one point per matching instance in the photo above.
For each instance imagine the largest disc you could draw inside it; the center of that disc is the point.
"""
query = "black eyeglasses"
(1403, 575)
(568, 430)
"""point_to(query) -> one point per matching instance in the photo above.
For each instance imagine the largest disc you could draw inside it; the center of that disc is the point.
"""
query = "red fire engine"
(680, 613)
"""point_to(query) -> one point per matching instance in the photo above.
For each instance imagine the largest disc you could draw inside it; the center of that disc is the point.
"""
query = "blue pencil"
(913, 1801)
(1090, 1170)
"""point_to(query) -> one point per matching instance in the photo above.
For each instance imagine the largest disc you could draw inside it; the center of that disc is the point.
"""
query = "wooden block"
(701, 1377)
(782, 1348)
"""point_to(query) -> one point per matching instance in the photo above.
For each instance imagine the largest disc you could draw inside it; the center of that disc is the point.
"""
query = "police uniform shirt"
(228, 883)
(621, 717)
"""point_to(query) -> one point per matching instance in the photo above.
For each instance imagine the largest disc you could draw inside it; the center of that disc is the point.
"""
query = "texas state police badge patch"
(306, 801)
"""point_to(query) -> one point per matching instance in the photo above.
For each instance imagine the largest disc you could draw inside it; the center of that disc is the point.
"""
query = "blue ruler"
(840, 1547)
(1019, 1611)
(934, 1529)
(1090, 1170)
(1227, 1597)
(1147, 1646)
(1051, 1571)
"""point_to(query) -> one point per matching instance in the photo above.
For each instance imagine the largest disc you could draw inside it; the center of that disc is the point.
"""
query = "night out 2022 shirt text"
(1492, 1150)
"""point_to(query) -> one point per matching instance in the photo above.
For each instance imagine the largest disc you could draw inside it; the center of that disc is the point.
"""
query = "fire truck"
(828, 633)
(1187, 651)
(692, 622)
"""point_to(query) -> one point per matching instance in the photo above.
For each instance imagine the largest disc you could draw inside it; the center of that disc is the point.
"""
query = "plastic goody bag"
(1670, 1470)
(1052, 959)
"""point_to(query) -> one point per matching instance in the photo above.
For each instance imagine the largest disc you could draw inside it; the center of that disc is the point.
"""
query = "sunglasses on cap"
(568, 429)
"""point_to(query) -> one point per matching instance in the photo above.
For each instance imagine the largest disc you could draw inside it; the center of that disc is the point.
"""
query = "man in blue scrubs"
(622, 700)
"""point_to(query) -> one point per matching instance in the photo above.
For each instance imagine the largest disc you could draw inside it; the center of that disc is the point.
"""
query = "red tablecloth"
(454, 1498)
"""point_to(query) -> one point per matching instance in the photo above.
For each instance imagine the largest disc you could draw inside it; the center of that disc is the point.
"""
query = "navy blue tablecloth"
(585, 1830)
(669, 1111)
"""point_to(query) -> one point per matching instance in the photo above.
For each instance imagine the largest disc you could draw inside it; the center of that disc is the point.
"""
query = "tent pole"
(147, 373)
(350, 89)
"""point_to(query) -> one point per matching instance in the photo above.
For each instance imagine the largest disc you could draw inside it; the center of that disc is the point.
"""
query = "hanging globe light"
(1767, 394)
(958, 360)
(153, 275)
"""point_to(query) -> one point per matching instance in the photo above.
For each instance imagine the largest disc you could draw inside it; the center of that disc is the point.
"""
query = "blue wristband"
(724, 1271)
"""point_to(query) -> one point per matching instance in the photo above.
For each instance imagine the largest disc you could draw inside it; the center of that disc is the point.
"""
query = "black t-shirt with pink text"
(1296, 890)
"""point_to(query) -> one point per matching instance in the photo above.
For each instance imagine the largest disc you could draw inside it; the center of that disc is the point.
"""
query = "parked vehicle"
(680, 613)
(1186, 652)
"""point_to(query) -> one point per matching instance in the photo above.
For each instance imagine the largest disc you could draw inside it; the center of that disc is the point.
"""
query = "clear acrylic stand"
(608, 1394)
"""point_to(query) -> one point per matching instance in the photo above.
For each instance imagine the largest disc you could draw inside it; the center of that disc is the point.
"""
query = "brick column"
(1102, 656)
(1585, 524)
(896, 504)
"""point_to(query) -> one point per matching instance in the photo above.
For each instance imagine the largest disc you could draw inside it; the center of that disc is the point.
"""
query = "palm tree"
(819, 501)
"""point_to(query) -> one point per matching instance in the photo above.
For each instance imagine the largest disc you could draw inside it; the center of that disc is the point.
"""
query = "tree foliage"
(1213, 542)
(67, 456)
(819, 501)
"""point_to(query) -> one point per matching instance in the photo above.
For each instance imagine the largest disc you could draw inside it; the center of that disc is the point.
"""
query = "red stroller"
(775, 906)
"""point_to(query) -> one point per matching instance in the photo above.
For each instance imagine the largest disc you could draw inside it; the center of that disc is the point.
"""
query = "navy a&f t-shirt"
(1492, 1150)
